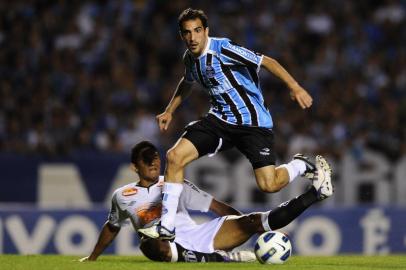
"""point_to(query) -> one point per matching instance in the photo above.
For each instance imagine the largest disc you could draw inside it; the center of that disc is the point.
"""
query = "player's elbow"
(269, 62)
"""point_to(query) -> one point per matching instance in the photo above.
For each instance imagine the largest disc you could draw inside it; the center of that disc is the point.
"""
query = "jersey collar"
(207, 47)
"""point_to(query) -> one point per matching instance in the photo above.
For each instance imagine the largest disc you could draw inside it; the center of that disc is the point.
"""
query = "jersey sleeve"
(188, 70)
(195, 198)
(233, 54)
(116, 217)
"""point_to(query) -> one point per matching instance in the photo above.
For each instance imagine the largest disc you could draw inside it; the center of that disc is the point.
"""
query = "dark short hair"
(192, 14)
(144, 150)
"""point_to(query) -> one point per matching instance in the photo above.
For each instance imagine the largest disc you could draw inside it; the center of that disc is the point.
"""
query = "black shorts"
(211, 135)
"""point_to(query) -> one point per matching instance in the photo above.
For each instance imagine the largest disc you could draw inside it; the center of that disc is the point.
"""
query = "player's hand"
(88, 259)
(84, 259)
(164, 119)
(300, 95)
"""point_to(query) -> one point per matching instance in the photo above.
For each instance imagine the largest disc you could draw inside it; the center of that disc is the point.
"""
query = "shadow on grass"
(339, 266)
(125, 260)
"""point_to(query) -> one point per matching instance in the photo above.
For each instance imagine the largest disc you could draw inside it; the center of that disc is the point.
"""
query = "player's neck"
(204, 51)
(147, 182)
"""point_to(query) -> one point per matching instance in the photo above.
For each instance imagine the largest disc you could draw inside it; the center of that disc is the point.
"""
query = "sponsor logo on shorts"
(284, 204)
(190, 256)
(265, 152)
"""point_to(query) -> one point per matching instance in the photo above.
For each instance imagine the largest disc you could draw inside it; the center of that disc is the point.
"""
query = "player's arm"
(297, 92)
(181, 93)
(107, 235)
(223, 209)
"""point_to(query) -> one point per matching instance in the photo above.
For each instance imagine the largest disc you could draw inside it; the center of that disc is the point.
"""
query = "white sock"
(265, 222)
(170, 201)
(174, 251)
(295, 167)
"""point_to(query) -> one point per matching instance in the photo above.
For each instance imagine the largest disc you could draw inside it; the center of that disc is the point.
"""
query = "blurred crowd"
(90, 76)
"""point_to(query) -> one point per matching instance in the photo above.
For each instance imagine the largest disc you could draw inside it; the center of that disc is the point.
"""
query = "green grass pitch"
(108, 262)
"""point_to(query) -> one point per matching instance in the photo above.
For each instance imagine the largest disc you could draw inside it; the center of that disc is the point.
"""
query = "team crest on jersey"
(210, 72)
(129, 191)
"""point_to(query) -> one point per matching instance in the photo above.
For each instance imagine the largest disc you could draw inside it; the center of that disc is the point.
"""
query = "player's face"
(149, 173)
(195, 36)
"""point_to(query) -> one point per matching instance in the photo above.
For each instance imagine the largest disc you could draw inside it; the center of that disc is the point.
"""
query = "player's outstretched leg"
(300, 165)
(321, 189)
(236, 230)
(290, 210)
(165, 251)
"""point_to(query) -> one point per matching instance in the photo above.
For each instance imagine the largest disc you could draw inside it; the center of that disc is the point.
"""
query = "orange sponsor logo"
(146, 215)
(129, 191)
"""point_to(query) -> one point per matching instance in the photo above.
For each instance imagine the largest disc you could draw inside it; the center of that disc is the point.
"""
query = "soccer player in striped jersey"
(238, 116)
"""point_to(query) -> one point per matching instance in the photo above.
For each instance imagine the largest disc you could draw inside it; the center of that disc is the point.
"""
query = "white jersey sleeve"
(194, 198)
(117, 217)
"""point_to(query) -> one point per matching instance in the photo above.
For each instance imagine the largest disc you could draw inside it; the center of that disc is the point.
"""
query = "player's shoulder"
(226, 44)
(218, 42)
(231, 45)
(190, 185)
(124, 192)
(187, 57)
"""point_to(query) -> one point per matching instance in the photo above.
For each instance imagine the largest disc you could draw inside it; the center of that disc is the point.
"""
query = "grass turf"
(106, 262)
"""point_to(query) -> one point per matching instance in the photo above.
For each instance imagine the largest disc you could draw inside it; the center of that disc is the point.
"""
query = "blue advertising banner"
(317, 232)
(22, 174)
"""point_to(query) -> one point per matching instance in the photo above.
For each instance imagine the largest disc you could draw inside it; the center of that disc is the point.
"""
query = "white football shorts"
(199, 237)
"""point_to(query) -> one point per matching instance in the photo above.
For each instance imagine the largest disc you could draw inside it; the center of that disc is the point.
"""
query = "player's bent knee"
(269, 186)
(156, 250)
(252, 223)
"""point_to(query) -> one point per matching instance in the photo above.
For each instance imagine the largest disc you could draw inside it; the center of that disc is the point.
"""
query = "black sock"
(288, 211)
(185, 255)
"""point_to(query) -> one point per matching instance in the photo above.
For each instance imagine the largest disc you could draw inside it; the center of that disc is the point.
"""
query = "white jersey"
(143, 205)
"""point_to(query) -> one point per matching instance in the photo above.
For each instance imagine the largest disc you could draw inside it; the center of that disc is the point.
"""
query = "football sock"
(180, 254)
(295, 168)
(288, 211)
(264, 220)
(170, 201)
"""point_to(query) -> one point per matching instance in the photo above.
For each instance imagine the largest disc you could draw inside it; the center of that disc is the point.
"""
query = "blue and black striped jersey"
(229, 73)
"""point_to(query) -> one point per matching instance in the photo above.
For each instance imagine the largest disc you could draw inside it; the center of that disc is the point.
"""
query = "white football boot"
(237, 256)
(322, 179)
(157, 231)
